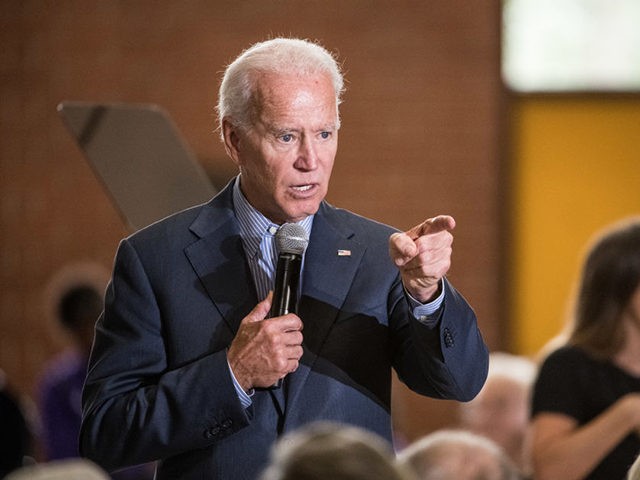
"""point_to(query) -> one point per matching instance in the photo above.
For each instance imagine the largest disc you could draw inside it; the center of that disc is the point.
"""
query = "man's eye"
(325, 135)
(287, 137)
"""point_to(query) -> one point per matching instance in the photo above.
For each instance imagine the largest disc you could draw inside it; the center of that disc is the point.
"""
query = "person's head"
(323, 450)
(634, 470)
(64, 469)
(15, 435)
(279, 120)
(608, 291)
(500, 411)
(73, 301)
(458, 455)
(78, 309)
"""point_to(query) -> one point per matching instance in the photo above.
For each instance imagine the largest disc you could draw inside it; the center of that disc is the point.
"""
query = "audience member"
(15, 437)
(500, 412)
(69, 469)
(458, 455)
(74, 301)
(331, 451)
(634, 471)
(586, 399)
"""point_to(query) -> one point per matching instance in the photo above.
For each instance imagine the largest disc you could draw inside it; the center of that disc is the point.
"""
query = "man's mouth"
(302, 188)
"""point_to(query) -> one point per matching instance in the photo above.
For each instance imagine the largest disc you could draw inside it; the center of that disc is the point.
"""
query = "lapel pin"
(344, 253)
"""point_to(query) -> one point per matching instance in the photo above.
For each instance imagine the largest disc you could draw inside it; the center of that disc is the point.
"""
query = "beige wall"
(421, 132)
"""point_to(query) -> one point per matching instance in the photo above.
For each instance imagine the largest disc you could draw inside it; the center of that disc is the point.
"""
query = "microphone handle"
(285, 293)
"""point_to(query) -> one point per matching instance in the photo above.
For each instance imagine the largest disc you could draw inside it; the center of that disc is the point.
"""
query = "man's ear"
(231, 140)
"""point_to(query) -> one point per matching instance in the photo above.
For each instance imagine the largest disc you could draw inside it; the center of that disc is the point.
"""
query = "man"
(458, 455)
(500, 412)
(326, 450)
(185, 358)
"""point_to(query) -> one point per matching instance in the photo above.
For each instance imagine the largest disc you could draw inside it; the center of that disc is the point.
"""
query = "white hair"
(458, 454)
(280, 56)
(514, 367)
(327, 450)
(634, 471)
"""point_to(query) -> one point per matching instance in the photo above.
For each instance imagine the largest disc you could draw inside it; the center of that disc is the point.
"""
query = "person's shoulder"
(358, 223)
(179, 220)
(177, 227)
(568, 356)
(171, 230)
(63, 368)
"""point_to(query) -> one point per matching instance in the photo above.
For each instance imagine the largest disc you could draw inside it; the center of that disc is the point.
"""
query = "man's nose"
(307, 155)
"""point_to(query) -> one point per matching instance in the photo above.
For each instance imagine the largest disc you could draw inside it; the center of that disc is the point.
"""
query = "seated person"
(15, 437)
(458, 455)
(500, 412)
(325, 450)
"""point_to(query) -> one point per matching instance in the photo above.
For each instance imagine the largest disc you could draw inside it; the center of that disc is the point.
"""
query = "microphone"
(291, 243)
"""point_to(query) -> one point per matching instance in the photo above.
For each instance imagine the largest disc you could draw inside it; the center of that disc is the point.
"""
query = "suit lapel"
(219, 260)
(331, 263)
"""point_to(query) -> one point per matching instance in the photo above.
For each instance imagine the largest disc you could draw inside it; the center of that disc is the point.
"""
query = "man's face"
(287, 155)
(500, 412)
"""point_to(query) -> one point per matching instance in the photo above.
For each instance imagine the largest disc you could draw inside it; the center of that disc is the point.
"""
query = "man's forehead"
(294, 105)
(274, 88)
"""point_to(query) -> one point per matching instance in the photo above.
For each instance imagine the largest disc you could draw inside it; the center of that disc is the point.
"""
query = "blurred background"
(482, 110)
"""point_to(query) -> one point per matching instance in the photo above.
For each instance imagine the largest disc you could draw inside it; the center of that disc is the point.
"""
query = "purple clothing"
(59, 401)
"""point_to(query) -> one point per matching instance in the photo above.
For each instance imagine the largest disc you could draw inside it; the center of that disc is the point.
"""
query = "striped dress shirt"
(258, 239)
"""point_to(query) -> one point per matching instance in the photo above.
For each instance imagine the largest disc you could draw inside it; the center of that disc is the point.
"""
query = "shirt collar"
(253, 224)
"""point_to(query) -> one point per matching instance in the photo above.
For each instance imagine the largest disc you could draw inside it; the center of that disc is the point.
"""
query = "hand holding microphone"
(268, 344)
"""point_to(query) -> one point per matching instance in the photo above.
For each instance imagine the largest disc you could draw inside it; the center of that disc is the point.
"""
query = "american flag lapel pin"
(344, 253)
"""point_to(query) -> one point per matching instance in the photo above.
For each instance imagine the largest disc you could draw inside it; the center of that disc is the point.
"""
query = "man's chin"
(298, 214)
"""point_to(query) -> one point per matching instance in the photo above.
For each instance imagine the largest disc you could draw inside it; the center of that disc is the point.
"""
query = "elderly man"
(187, 361)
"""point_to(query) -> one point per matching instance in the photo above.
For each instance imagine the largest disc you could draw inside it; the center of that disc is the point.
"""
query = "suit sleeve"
(135, 408)
(449, 360)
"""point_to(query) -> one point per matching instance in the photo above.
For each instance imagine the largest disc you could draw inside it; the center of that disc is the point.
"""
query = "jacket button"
(212, 432)
(448, 338)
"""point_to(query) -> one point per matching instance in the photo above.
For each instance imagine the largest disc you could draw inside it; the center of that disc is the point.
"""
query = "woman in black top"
(586, 399)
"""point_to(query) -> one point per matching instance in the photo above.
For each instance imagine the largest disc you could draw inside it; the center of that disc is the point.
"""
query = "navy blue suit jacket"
(158, 385)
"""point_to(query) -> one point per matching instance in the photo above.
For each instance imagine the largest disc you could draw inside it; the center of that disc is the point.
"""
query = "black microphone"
(291, 243)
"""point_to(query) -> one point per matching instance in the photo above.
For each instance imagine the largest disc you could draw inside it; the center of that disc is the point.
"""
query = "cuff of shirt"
(422, 311)
(244, 397)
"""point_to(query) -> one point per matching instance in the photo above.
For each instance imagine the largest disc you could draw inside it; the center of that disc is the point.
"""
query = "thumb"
(261, 310)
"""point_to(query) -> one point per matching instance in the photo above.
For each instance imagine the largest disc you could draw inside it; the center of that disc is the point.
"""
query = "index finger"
(288, 323)
(433, 225)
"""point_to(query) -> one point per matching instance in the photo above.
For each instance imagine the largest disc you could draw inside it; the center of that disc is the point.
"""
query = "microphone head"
(291, 238)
